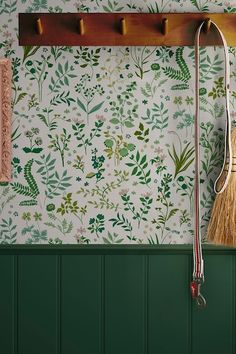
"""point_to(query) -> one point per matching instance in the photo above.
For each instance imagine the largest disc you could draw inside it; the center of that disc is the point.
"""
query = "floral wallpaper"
(103, 137)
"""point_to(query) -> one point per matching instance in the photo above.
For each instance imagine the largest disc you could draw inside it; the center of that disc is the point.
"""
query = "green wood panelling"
(81, 321)
(100, 300)
(213, 328)
(132, 249)
(124, 305)
(7, 305)
(37, 305)
(168, 305)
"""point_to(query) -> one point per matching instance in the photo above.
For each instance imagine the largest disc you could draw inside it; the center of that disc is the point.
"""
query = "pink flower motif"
(147, 194)
(100, 117)
(6, 34)
(158, 150)
(81, 230)
(123, 191)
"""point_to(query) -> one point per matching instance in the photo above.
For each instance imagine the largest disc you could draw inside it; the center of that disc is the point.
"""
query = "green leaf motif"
(81, 105)
(139, 168)
(183, 74)
(31, 190)
(183, 160)
(96, 108)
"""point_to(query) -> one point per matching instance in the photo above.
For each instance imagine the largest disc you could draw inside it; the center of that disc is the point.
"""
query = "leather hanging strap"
(198, 264)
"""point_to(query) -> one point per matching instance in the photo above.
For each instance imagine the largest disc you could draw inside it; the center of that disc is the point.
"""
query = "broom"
(222, 227)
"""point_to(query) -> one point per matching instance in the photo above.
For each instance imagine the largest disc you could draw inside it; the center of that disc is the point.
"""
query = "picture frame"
(5, 119)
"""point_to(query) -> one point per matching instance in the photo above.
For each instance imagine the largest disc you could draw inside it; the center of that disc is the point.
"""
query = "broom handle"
(198, 266)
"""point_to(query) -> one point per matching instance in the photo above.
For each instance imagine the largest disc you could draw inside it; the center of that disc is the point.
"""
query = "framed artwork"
(5, 119)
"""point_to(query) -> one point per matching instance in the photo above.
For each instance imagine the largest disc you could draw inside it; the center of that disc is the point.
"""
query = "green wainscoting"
(114, 300)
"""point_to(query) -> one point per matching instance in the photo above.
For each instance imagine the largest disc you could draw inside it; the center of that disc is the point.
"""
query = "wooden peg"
(81, 27)
(39, 26)
(207, 25)
(123, 27)
(165, 26)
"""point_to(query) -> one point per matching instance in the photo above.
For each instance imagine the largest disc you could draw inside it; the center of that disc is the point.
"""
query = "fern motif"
(181, 62)
(180, 87)
(29, 177)
(31, 190)
(183, 74)
(175, 74)
(24, 190)
(28, 202)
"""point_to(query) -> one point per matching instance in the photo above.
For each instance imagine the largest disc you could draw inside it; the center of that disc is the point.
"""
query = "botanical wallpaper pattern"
(103, 137)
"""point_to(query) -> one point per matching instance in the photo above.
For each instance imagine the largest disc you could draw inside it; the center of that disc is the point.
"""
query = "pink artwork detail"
(5, 119)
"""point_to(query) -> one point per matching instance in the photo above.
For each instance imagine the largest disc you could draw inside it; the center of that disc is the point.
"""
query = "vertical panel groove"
(146, 263)
(190, 308)
(212, 327)
(102, 306)
(233, 304)
(144, 304)
(15, 305)
(59, 260)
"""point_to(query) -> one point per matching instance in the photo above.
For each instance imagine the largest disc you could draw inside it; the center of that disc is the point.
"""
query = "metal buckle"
(195, 287)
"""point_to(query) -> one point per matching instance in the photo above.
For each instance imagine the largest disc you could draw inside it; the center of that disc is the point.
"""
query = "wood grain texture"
(141, 29)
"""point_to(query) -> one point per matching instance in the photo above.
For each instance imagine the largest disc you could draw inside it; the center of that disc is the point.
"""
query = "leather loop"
(198, 269)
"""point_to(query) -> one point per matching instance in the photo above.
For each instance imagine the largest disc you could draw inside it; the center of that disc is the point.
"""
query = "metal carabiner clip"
(200, 300)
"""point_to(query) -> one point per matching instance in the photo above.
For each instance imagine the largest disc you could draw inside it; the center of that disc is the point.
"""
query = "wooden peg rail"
(123, 29)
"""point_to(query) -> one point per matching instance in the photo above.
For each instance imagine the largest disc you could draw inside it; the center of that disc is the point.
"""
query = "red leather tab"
(193, 287)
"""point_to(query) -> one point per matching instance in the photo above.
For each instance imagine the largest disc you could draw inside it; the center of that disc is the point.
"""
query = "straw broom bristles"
(222, 226)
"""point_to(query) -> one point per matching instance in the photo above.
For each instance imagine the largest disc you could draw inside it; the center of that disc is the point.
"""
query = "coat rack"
(122, 29)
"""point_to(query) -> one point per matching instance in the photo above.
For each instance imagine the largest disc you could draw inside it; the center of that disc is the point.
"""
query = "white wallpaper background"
(103, 137)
